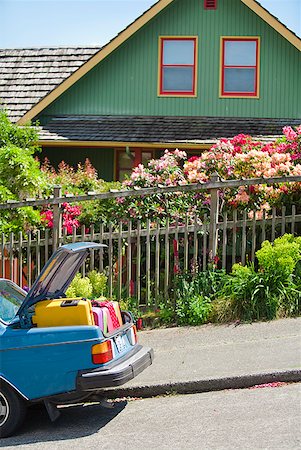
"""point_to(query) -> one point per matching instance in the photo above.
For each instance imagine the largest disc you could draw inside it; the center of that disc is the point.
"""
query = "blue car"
(58, 364)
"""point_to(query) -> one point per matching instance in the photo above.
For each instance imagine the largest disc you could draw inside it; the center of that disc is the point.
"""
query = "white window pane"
(178, 79)
(239, 80)
(240, 53)
(178, 52)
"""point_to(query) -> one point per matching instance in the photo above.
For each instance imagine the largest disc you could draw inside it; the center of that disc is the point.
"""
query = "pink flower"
(290, 134)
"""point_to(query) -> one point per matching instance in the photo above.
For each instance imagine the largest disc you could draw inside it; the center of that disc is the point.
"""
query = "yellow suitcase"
(63, 312)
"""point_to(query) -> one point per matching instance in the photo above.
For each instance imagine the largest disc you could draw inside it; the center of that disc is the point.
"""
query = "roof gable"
(96, 58)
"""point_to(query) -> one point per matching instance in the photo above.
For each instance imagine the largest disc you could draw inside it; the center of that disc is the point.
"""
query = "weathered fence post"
(214, 206)
(57, 220)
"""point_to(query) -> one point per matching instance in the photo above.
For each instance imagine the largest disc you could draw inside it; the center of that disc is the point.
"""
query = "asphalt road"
(265, 418)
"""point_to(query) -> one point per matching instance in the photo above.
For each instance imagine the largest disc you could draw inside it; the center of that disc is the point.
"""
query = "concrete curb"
(216, 384)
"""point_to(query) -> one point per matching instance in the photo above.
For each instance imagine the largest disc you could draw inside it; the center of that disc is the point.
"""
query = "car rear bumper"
(118, 372)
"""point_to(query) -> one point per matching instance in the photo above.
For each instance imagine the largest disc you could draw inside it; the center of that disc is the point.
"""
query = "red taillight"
(102, 353)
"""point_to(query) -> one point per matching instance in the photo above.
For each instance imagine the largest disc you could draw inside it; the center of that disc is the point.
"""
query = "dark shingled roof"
(28, 75)
(158, 129)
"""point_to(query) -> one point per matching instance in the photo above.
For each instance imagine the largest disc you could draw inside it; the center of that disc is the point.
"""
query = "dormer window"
(177, 66)
(210, 4)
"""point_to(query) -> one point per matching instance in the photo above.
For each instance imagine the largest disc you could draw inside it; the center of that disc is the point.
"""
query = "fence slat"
(186, 243)
(73, 234)
(11, 256)
(234, 237)
(148, 262)
(64, 236)
(293, 219)
(119, 263)
(205, 227)
(263, 225)
(101, 249)
(157, 264)
(38, 254)
(224, 251)
(46, 244)
(283, 211)
(138, 263)
(2, 252)
(195, 246)
(244, 239)
(29, 259)
(273, 223)
(129, 261)
(20, 259)
(253, 236)
(83, 238)
(166, 274)
(176, 249)
(110, 255)
(92, 253)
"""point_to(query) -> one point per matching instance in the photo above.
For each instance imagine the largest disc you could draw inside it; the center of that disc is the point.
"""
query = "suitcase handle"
(69, 303)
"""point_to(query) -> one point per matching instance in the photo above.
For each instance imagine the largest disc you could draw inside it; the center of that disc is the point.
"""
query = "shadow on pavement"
(75, 421)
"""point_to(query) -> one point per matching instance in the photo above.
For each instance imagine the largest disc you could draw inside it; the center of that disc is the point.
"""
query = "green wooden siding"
(126, 81)
(101, 158)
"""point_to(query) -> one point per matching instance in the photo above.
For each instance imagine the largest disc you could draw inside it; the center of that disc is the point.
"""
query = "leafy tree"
(20, 174)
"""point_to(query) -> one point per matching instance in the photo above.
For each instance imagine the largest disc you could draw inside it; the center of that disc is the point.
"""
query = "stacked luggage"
(107, 315)
(78, 311)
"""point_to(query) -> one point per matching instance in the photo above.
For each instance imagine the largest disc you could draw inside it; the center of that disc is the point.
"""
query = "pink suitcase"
(98, 317)
(108, 309)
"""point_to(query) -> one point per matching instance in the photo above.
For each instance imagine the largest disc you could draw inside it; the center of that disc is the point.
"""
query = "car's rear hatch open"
(56, 276)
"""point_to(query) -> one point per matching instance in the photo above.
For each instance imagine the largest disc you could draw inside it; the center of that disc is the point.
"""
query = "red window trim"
(240, 94)
(210, 4)
(178, 93)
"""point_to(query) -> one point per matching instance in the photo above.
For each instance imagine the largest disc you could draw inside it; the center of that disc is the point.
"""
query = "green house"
(182, 75)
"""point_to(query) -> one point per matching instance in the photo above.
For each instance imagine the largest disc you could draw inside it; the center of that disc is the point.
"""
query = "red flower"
(193, 158)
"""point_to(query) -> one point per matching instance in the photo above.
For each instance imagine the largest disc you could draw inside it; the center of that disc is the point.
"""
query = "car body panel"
(45, 362)
(42, 362)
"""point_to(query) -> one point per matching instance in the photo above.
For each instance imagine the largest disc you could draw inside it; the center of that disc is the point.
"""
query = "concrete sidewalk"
(215, 357)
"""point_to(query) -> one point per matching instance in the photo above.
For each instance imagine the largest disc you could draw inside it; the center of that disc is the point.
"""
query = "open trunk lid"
(56, 275)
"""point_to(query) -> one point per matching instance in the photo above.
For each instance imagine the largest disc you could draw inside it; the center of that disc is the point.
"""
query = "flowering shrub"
(78, 181)
(236, 158)
(73, 181)
(70, 215)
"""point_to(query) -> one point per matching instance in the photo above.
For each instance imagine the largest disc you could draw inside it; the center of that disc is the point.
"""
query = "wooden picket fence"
(142, 262)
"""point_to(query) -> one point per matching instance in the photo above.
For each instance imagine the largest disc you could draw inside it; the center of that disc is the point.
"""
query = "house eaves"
(153, 131)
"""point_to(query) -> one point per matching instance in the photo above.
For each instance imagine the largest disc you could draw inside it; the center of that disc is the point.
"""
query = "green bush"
(99, 283)
(271, 291)
(193, 310)
(20, 174)
(193, 295)
(80, 287)
(92, 286)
